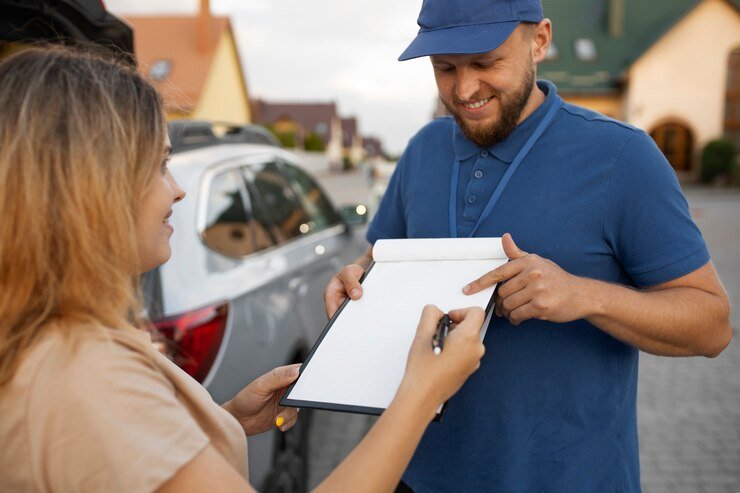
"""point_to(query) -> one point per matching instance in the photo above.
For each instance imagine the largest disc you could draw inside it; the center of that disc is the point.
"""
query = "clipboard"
(358, 362)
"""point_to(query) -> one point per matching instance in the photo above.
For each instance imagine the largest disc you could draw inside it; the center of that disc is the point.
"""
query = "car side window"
(314, 201)
(279, 200)
(231, 228)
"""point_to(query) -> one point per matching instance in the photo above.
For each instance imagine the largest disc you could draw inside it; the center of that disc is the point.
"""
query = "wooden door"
(676, 143)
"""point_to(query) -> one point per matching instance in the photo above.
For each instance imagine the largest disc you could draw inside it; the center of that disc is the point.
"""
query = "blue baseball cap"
(468, 26)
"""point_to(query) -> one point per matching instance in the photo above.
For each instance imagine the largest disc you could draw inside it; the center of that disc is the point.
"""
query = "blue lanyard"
(504, 181)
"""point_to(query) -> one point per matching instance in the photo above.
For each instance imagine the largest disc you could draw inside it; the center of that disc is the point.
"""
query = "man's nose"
(467, 84)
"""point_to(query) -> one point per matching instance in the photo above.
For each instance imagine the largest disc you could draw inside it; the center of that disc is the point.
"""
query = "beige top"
(113, 416)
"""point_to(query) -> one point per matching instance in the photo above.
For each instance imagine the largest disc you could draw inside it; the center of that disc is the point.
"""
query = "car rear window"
(313, 200)
(280, 201)
(231, 227)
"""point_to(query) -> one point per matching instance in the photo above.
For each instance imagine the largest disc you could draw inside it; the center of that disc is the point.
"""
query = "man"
(604, 261)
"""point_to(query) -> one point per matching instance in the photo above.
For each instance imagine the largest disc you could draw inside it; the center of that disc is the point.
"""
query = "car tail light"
(192, 339)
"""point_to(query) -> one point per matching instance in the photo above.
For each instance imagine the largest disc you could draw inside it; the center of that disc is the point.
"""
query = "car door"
(334, 240)
(310, 230)
(238, 253)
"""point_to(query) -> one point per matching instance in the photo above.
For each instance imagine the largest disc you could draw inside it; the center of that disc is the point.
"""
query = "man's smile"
(475, 105)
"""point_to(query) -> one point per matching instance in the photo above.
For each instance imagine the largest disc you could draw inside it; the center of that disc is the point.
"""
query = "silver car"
(256, 241)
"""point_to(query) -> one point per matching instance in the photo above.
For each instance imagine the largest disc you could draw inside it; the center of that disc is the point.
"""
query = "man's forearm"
(675, 321)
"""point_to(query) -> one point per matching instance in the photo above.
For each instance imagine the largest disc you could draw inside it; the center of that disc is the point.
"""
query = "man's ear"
(542, 40)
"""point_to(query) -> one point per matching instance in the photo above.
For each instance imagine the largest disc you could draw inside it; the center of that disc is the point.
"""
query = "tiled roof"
(373, 147)
(644, 23)
(173, 42)
(313, 117)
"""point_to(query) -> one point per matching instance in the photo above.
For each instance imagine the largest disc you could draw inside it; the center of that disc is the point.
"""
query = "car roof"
(204, 158)
(187, 134)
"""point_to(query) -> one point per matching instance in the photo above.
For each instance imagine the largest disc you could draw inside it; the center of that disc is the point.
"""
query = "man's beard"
(511, 111)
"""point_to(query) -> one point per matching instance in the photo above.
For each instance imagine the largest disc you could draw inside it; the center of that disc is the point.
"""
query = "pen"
(438, 341)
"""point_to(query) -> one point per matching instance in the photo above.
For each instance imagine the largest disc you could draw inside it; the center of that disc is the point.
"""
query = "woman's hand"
(256, 406)
(438, 377)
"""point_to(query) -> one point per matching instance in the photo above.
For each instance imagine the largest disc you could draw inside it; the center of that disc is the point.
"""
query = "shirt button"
(484, 153)
(478, 174)
(472, 199)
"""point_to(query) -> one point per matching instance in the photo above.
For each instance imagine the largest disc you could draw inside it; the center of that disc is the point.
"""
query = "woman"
(87, 404)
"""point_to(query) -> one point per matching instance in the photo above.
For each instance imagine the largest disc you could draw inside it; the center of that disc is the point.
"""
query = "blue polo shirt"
(552, 407)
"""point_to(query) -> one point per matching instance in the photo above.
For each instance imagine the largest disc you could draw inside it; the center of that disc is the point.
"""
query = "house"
(352, 149)
(670, 67)
(194, 63)
(302, 121)
(373, 147)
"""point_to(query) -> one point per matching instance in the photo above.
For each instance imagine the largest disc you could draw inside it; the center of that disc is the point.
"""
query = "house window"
(732, 100)
(160, 69)
(585, 49)
(676, 143)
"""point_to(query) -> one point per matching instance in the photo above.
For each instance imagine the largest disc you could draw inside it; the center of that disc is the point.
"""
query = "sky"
(327, 50)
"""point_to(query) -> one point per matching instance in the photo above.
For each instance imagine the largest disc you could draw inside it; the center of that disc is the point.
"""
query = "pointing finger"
(499, 274)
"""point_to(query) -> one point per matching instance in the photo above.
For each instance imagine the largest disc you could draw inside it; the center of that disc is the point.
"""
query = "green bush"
(314, 142)
(717, 160)
(286, 138)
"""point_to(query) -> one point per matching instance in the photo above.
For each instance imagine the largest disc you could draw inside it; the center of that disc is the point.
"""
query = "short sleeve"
(647, 223)
(109, 421)
(390, 220)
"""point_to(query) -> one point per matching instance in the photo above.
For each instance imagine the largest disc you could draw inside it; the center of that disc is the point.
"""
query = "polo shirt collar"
(507, 150)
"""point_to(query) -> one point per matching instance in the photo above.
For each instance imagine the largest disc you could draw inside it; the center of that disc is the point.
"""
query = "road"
(688, 408)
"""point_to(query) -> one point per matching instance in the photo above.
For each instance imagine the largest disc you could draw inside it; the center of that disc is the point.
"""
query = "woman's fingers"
(430, 316)
(278, 378)
(472, 316)
(286, 418)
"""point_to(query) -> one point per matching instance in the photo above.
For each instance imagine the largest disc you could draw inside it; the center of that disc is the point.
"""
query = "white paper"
(361, 360)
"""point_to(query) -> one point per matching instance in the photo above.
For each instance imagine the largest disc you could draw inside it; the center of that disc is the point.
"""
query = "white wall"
(683, 76)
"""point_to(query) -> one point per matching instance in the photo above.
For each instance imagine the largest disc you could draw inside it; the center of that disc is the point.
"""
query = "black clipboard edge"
(285, 401)
(330, 406)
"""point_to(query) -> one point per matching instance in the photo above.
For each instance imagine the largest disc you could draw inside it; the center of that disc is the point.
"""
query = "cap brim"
(478, 38)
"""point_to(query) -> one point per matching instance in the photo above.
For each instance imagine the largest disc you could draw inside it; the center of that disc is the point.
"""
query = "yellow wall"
(224, 97)
(287, 126)
(683, 76)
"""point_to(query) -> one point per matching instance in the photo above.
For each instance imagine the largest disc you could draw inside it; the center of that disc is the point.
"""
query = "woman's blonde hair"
(80, 138)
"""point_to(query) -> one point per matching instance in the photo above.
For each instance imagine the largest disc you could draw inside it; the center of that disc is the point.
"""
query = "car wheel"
(289, 473)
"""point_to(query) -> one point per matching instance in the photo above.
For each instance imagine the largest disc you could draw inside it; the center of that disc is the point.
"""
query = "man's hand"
(346, 284)
(256, 406)
(532, 287)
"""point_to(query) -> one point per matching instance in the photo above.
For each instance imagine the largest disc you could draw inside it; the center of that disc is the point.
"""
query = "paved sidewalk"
(688, 408)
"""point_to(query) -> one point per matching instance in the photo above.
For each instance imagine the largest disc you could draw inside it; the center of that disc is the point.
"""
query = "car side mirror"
(354, 215)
